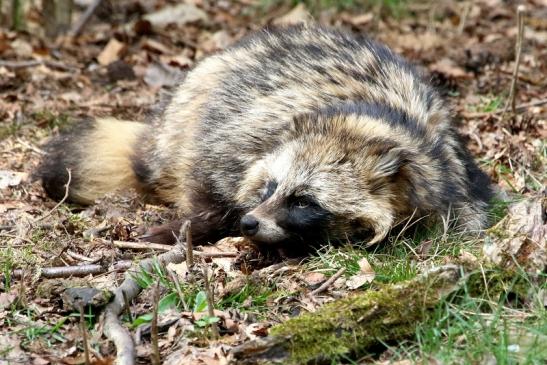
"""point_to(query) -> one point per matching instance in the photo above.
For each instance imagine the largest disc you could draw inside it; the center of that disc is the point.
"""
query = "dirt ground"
(125, 60)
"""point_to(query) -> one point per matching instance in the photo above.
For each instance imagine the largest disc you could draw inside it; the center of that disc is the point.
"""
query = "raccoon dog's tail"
(99, 154)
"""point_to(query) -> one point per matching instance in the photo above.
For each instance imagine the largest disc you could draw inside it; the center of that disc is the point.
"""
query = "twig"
(16, 237)
(186, 229)
(30, 147)
(127, 307)
(113, 329)
(77, 271)
(84, 334)
(154, 326)
(77, 256)
(329, 282)
(34, 63)
(519, 108)
(139, 245)
(465, 14)
(88, 13)
(521, 9)
(210, 301)
(67, 187)
(158, 246)
(176, 281)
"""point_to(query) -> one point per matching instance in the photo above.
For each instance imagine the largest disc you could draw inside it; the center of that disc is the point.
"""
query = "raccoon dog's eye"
(303, 203)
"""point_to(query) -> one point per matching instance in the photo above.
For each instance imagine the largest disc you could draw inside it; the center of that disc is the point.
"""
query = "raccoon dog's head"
(328, 180)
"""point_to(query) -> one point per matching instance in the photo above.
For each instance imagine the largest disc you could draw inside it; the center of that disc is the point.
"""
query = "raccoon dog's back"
(300, 134)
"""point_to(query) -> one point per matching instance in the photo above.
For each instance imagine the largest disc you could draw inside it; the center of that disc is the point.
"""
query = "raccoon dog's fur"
(302, 134)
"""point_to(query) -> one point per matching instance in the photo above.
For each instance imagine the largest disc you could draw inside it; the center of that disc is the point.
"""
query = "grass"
(392, 7)
(251, 298)
(496, 326)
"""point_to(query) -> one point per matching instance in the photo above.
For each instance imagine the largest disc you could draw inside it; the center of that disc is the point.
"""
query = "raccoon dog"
(295, 135)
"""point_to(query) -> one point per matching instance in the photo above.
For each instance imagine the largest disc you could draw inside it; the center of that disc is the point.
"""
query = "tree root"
(127, 291)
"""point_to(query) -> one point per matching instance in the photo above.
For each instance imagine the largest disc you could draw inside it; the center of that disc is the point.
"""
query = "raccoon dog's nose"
(249, 225)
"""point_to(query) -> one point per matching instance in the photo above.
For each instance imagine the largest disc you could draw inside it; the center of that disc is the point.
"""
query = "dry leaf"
(299, 14)
(525, 236)
(361, 19)
(159, 74)
(365, 275)
(449, 68)
(179, 14)
(111, 52)
(314, 278)
(11, 178)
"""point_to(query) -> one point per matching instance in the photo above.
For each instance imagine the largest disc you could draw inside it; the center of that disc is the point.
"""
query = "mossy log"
(350, 326)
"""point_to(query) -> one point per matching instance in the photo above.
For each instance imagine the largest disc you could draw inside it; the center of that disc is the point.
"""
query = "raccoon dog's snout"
(249, 225)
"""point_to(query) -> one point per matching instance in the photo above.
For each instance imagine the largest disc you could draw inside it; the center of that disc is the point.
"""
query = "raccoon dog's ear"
(391, 161)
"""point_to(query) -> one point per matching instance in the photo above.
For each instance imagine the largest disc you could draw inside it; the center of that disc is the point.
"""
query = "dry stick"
(17, 238)
(176, 281)
(78, 271)
(127, 307)
(154, 326)
(329, 282)
(160, 247)
(84, 334)
(33, 63)
(465, 14)
(67, 186)
(520, 36)
(139, 245)
(77, 256)
(80, 24)
(113, 329)
(210, 302)
(519, 108)
(186, 229)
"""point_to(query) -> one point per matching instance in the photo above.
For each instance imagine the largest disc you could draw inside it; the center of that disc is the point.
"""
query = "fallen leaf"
(111, 52)
(159, 74)
(11, 178)
(314, 278)
(299, 14)
(449, 68)
(524, 238)
(256, 330)
(21, 48)
(155, 46)
(179, 14)
(365, 275)
(361, 19)
(6, 300)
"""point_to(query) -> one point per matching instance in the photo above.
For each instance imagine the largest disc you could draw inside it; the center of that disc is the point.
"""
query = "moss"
(352, 325)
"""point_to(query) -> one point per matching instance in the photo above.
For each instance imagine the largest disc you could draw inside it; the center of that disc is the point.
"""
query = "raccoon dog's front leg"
(207, 227)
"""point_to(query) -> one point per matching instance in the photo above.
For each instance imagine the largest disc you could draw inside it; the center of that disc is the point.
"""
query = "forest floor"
(127, 58)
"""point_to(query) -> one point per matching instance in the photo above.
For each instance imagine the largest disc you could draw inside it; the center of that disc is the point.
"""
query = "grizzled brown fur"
(302, 134)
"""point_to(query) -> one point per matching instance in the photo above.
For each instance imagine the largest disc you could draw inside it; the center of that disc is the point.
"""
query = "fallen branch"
(329, 282)
(352, 324)
(113, 329)
(34, 63)
(77, 271)
(82, 21)
(210, 301)
(77, 256)
(186, 229)
(160, 247)
(521, 9)
(519, 108)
